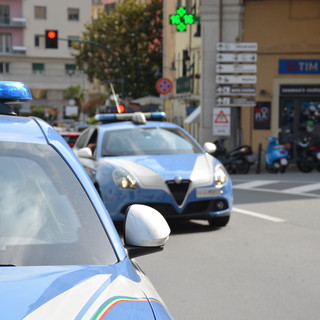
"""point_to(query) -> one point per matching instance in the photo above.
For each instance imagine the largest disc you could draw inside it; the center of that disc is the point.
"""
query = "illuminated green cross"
(181, 19)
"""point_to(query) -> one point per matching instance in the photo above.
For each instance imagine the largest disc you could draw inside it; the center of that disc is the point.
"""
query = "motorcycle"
(277, 156)
(238, 160)
(308, 155)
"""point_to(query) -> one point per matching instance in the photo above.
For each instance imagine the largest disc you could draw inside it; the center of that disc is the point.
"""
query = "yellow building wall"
(283, 29)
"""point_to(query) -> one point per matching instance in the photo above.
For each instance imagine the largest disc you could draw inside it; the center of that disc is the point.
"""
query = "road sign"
(235, 102)
(236, 57)
(221, 121)
(236, 79)
(164, 86)
(236, 91)
(237, 46)
(236, 68)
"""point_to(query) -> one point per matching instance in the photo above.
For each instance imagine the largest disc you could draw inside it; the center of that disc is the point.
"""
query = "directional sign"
(236, 91)
(236, 79)
(237, 46)
(235, 102)
(236, 68)
(234, 57)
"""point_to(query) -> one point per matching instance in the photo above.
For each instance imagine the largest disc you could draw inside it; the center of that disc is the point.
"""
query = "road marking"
(254, 184)
(301, 189)
(258, 215)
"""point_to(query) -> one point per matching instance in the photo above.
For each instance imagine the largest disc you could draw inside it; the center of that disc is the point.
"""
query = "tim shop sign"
(299, 66)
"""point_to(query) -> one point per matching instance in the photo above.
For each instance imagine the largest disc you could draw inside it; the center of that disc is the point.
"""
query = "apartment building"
(23, 56)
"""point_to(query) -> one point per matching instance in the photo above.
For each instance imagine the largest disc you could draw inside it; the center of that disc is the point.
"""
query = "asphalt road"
(264, 265)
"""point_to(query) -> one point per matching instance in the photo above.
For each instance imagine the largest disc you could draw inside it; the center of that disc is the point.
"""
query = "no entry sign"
(164, 86)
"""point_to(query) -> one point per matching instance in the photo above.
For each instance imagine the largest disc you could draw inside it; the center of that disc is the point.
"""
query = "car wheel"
(219, 221)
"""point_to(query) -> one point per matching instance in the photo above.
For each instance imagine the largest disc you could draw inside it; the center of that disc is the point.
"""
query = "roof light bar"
(11, 91)
(116, 117)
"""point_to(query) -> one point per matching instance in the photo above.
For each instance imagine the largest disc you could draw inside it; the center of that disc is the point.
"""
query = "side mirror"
(210, 147)
(145, 230)
(84, 153)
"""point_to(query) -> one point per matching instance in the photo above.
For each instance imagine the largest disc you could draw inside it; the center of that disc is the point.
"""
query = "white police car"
(60, 255)
(140, 158)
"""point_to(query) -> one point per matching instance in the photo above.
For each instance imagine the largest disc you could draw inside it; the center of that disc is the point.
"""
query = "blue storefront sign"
(299, 66)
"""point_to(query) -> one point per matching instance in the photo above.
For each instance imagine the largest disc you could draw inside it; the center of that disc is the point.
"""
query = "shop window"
(4, 67)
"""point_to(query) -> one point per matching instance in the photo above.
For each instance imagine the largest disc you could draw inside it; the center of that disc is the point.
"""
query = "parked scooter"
(308, 155)
(238, 160)
(276, 156)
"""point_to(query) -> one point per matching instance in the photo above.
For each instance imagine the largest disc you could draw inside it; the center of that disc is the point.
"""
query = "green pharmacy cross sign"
(181, 19)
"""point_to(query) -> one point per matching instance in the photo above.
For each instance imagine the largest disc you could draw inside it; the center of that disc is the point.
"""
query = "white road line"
(258, 215)
(254, 184)
(301, 189)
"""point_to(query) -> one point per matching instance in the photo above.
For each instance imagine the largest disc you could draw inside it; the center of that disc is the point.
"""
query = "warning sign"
(221, 121)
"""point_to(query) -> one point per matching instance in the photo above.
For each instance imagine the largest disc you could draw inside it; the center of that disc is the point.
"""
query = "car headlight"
(220, 176)
(124, 179)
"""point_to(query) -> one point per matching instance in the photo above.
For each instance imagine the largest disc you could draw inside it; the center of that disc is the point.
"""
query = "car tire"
(219, 221)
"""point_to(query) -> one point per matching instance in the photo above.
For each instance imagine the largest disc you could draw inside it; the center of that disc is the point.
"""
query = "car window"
(147, 141)
(46, 218)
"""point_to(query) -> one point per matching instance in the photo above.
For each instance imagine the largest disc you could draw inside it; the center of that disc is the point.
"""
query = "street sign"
(235, 102)
(236, 91)
(164, 86)
(221, 121)
(236, 68)
(237, 46)
(236, 57)
(236, 79)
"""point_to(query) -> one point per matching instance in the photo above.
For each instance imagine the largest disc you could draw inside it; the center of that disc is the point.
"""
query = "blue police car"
(60, 254)
(140, 158)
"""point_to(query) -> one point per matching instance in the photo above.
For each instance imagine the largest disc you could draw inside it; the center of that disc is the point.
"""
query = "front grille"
(178, 190)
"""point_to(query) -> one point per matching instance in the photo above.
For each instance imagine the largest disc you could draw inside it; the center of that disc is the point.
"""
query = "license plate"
(284, 161)
(208, 192)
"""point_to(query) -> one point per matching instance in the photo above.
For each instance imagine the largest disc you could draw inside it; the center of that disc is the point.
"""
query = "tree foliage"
(130, 47)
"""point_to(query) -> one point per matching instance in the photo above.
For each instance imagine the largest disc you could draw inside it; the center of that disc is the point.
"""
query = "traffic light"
(51, 39)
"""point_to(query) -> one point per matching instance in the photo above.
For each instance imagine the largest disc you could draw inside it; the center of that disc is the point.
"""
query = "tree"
(130, 47)
(76, 93)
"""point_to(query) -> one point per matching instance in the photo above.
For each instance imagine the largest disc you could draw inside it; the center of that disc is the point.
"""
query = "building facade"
(23, 56)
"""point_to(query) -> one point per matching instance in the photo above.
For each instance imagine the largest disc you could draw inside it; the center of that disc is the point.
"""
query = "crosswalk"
(310, 189)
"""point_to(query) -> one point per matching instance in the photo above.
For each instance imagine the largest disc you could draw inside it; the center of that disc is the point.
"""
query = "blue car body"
(181, 184)
(62, 273)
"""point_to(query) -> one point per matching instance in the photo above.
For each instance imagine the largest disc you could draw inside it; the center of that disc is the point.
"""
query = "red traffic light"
(51, 39)
(52, 34)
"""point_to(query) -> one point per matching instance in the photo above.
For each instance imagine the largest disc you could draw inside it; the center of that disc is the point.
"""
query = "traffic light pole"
(97, 44)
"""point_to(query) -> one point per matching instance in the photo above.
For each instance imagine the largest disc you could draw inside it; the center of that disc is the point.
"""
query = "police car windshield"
(46, 218)
(147, 141)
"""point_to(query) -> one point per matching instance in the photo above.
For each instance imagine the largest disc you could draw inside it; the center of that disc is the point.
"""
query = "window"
(70, 69)
(109, 7)
(4, 67)
(39, 41)
(4, 14)
(5, 42)
(73, 14)
(40, 12)
(38, 67)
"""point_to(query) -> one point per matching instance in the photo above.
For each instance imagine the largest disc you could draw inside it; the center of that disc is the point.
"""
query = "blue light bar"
(115, 117)
(14, 91)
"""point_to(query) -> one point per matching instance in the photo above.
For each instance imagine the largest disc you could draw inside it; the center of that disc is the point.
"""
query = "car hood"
(199, 168)
(78, 292)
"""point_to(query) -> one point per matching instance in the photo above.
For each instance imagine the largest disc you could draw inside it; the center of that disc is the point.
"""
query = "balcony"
(14, 51)
(14, 22)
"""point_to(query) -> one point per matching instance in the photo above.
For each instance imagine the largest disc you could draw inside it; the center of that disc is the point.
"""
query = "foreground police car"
(60, 255)
(132, 160)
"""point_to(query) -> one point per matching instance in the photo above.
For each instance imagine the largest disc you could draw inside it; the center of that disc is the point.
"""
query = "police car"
(141, 158)
(60, 254)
